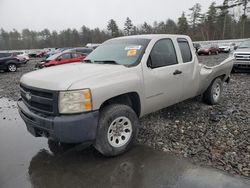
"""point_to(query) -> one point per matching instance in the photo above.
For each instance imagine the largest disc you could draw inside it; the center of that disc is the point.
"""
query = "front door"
(162, 76)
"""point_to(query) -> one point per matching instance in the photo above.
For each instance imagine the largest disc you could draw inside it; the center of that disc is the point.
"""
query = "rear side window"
(185, 50)
(66, 56)
(75, 55)
(163, 54)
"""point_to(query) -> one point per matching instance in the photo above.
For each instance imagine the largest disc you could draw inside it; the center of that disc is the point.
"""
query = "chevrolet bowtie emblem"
(28, 96)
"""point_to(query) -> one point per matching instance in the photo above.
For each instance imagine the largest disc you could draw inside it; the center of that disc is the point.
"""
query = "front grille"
(40, 100)
(242, 56)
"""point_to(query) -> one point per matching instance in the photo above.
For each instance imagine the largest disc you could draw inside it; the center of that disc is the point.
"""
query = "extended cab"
(101, 99)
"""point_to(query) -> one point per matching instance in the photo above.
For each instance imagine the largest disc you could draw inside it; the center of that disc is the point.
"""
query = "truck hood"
(243, 50)
(63, 76)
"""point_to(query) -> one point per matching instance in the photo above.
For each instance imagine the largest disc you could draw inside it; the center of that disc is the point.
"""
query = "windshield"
(53, 56)
(121, 51)
(245, 44)
(206, 46)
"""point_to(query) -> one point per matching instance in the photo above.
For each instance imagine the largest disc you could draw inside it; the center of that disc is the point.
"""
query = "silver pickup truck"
(242, 56)
(101, 99)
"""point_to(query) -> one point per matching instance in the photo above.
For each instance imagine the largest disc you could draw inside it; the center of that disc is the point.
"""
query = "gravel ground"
(217, 136)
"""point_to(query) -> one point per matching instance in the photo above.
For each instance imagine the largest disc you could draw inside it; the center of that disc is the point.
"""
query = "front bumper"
(241, 64)
(65, 128)
(223, 50)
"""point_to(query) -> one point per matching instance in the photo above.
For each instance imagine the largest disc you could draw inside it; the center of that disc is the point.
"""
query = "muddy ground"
(217, 136)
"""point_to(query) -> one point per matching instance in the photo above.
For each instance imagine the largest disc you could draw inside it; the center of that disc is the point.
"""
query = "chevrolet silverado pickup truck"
(101, 99)
(242, 56)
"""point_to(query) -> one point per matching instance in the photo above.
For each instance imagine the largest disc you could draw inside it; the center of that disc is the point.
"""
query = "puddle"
(26, 161)
(17, 146)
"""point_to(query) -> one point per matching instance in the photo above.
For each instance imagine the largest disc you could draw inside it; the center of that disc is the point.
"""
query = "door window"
(185, 50)
(163, 54)
(66, 56)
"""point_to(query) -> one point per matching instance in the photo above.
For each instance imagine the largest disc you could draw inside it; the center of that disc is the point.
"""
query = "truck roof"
(153, 36)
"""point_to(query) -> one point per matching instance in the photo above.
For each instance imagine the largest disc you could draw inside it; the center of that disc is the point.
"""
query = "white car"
(22, 56)
(226, 48)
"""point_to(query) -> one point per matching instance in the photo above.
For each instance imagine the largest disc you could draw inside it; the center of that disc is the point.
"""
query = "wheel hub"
(119, 132)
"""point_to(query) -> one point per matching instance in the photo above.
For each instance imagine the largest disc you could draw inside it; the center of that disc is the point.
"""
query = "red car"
(208, 49)
(61, 58)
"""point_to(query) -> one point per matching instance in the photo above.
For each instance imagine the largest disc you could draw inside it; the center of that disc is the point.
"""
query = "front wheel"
(213, 93)
(117, 129)
(12, 67)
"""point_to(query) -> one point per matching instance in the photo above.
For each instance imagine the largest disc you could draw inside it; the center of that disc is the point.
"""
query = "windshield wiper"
(87, 61)
(107, 62)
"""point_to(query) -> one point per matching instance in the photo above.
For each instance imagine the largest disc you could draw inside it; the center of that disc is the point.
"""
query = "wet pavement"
(26, 161)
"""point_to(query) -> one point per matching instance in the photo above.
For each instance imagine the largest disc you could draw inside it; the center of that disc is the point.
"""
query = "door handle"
(177, 72)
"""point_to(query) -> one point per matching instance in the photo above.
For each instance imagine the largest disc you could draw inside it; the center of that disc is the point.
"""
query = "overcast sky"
(62, 14)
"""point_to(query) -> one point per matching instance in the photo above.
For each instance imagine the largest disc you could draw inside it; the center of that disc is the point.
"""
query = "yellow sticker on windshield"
(132, 53)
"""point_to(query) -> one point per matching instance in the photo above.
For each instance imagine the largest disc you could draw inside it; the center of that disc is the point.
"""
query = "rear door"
(76, 57)
(162, 76)
(65, 58)
(189, 69)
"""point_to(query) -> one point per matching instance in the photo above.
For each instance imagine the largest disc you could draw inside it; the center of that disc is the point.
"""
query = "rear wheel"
(12, 67)
(213, 93)
(209, 53)
(117, 129)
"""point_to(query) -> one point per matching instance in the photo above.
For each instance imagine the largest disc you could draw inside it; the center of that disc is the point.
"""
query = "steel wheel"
(12, 67)
(119, 132)
(216, 92)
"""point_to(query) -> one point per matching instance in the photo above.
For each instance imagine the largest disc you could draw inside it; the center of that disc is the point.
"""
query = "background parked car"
(83, 50)
(22, 56)
(8, 62)
(53, 52)
(242, 57)
(226, 48)
(208, 49)
(61, 58)
(32, 53)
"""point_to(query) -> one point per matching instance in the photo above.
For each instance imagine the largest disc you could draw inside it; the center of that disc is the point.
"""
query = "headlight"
(75, 101)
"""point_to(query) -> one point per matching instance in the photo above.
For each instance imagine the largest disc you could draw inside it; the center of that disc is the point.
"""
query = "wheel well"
(132, 99)
(10, 62)
(222, 77)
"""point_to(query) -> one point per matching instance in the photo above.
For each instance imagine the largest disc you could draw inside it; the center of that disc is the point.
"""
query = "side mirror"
(59, 59)
(149, 62)
(235, 47)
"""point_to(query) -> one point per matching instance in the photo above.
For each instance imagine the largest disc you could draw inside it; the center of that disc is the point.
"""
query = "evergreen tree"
(182, 24)
(211, 19)
(128, 26)
(195, 18)
(113, 28)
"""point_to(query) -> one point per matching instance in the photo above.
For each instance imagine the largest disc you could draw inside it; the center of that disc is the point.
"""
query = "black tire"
(213, 93)
(108, 118)
(12, 67)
